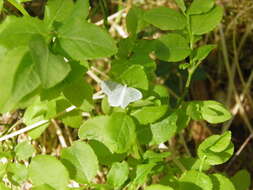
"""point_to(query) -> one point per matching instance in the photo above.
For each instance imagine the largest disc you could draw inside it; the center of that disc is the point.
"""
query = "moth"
(120, 95)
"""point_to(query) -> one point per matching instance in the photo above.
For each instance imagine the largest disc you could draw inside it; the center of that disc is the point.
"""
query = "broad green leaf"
(95, 129)
(172, 47)
(195, 180)
(16, 173)
(241, 180)
(215, 112)
(52, 69)
(104, 155)
(118, 174)
(135, 77)
(200, 6)
(222, 143)
(221, 182)
(202, 52)
(82, 40)
(43, 187)
(165, 18)
(3, 187)
(81, 9)
(214, 158)
(121, 131)
(24, 150)
(79, 93)
(45, 169)
(134, 20)
(17, 31)
(72, 119)
(26, 79)
(10, 62)
(81, 162)
(149, 114)
(158, 187)
(164, 130)
(57, 11)
(204, 23)
(181, 5)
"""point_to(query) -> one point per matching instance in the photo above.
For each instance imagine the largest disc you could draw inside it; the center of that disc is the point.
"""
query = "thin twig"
(94, 76)
(59, 134)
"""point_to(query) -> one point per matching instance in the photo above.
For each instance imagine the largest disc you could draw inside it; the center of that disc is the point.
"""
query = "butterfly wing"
(109, 86)
(130, 95)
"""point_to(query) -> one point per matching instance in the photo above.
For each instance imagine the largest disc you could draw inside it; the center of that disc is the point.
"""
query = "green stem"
(104, 9)
(19, 7)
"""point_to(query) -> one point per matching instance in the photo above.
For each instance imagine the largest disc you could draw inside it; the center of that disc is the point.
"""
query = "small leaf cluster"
(43, 69)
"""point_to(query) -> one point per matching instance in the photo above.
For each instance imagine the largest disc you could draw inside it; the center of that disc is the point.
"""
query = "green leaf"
(121, 131)
(72, 119)
(221, 182)
(191, 163)
(82, 40)
(80, 9)
(118, 174)
(172, 47)
(79, 93)
(43, 187)
(81, 162)
(135, 76)
(202, 52)
(222, 143)
(158, 187)
(134, 20)
(10, 62)
(200, 6)
(165, 18)
(17, 31)
(204, 23)
(155, 156)
(142, 173)
(52, 69)
(195, 180)
(1, 5)
(149, 114)
(16, 173)
(211, 157)
(48, 170)
(215, 112)
(241, 180)
(24, 150)
(181, 5)
(164, 130)
(57, 10)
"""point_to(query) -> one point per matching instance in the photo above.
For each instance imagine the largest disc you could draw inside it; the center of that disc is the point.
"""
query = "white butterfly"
(120, 95)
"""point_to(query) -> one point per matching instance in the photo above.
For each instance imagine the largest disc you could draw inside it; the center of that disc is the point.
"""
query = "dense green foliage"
(43, 64)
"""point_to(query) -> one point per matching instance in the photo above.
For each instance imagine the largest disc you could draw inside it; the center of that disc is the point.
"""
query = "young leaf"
(24, 150)
(17, 31)
(149, 114)
(200, 6)
(118, 174)
(135, 77)
(195, 180)
(221, 182)
(222, 143)
(84, 41)
(164, 130)
(48, 170)
(172, 47)
(52, 69)
(204, 23)
(158, 187)
(134, 20)
(57, 11)
(165, 18)
(241, 180)
(211, 157)
(81, 162)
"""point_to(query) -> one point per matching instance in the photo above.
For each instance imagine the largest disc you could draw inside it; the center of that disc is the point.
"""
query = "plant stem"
(104, 8)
